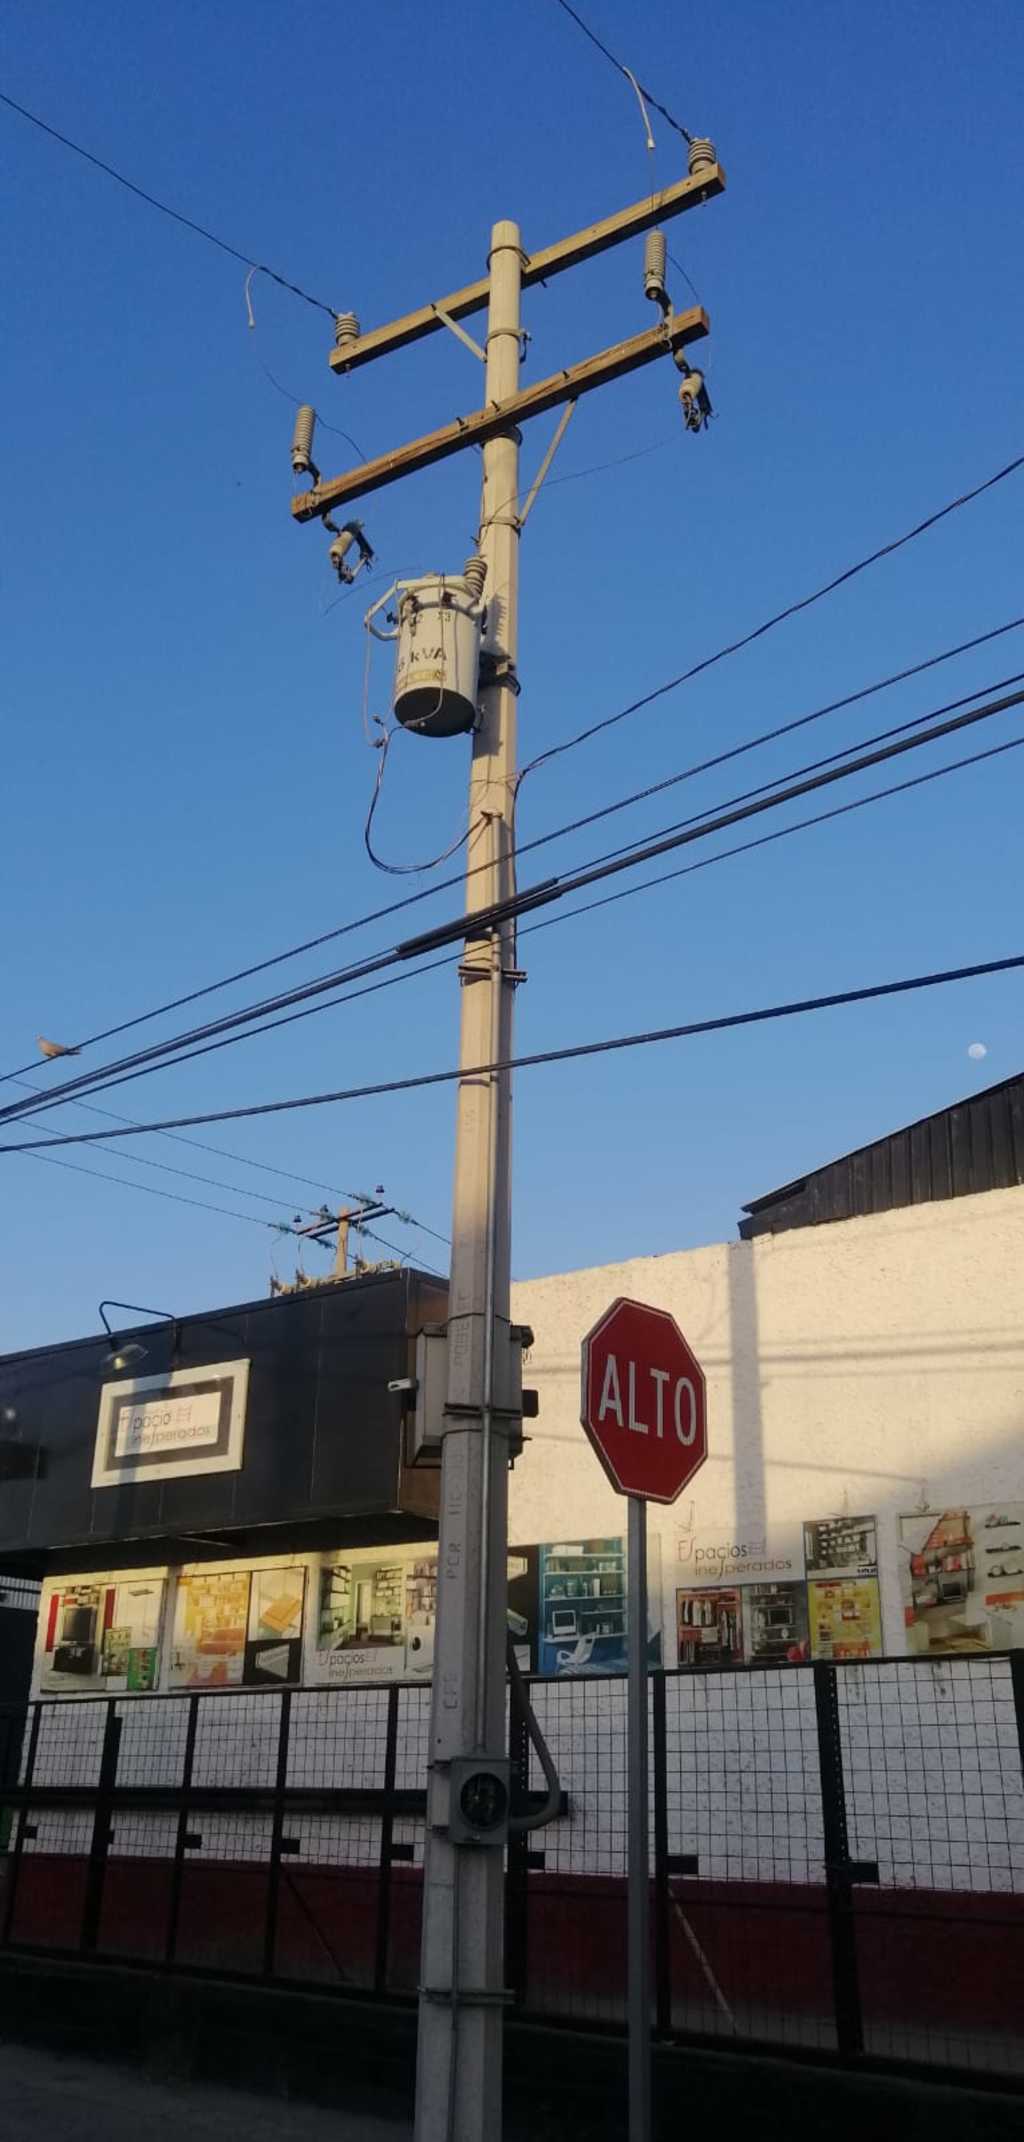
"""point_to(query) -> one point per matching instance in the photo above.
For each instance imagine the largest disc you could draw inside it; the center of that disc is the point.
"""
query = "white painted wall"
(870, 1365)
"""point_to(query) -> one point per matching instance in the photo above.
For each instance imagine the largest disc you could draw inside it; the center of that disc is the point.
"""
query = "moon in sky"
(976, 1051)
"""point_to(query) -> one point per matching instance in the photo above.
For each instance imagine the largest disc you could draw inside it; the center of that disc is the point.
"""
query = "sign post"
(638, 1903)
(644, 1408)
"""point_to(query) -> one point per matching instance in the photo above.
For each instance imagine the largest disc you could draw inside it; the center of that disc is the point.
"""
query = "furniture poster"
(775, 1624)
(211, 1618)
(102, 1637)
(273, 1651)
(845, 1618)
(834, 1612)
(130, 1658)
(74, 1617)
(962, 1578)
(583, 1606)
(709, 1626)
(361, 1633)
(841, 1547)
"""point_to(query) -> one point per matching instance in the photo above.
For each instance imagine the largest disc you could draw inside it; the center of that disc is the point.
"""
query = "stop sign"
(644, 1402)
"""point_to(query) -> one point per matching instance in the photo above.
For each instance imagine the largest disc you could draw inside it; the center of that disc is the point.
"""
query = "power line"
(200, 1145)
(199, 1204)
(800, 825)
(312, 944)
(644, 1039)
(242, 1160)
(259, 267)
(620, 69)
(767, 840)
(186, 1174)
(403, 1254)
(819, 774)
(792, 609)
(787, 728)
(831, 758)
(543, 839)
(617, 860)
(152, 1190)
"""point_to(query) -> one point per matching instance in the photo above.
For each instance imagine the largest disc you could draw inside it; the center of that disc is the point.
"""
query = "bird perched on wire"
(49, 1049)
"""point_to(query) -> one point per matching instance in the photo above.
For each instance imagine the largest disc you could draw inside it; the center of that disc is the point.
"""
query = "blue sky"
(185, 771)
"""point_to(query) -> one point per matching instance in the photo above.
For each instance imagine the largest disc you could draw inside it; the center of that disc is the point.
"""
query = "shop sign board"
(644, 1401)
(170, 1427)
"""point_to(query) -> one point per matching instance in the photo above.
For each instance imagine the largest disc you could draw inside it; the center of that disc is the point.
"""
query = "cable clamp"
(496, 669)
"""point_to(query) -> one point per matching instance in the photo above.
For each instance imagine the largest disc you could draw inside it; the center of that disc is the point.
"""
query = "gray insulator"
(702, 155)
(474, 573)
(346, 328)
(302, 440)
(655, 255)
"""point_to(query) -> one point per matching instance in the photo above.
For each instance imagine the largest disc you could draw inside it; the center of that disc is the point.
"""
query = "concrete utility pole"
(458, 2091)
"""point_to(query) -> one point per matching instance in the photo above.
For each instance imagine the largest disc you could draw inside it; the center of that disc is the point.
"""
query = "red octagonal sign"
(644, 1401)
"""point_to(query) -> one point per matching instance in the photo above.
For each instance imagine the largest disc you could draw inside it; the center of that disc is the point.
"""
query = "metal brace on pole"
(463, 336)
(561, 428)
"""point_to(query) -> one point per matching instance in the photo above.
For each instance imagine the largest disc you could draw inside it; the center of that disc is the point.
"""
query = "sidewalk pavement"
(58, 2097)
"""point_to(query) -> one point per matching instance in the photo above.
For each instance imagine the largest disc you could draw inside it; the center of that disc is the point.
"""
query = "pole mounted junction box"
(426, 1394)
(479, 1788)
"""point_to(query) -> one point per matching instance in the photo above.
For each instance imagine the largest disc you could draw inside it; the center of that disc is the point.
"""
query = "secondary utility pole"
(458, 2093)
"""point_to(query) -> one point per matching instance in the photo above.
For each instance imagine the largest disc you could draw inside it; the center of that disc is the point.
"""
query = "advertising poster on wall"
(566, 1611)
(582, 1615)
(420, 1616)
(210, 1621)
(775, 1624)
(796, 1591)
(273, 1651)
(72, 1643)
(524, 1605)
(846, 1618)
(361, 1633)
(709, 1626)
(841, 1547)
(737, 1625)
(962, 1576)
(755, 1556)
(102, 1636)
(131, 1640)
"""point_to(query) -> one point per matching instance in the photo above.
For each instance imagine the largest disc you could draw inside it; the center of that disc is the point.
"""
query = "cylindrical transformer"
(438, 659)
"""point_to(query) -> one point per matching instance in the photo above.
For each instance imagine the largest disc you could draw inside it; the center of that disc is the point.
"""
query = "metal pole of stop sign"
(638, 1901)
(643, 1405)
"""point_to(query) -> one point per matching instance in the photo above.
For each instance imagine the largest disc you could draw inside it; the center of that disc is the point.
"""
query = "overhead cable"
(258, 267)
(644, 1039)
(242, 1160)
(792, 609)
(527, 847)
(555, 889)
(200, 1204)
(703, 824)
(620, 68)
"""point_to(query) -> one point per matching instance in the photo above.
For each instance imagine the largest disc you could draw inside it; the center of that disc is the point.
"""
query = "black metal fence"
(837, 1862)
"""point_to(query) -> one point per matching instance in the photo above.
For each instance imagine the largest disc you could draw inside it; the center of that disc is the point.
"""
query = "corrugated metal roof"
(976, 1144)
